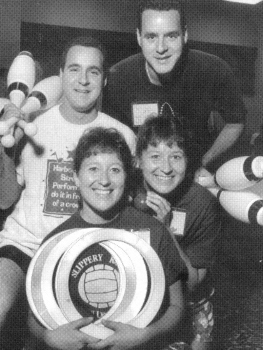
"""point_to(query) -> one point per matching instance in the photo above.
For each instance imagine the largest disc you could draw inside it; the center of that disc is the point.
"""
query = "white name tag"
(145, 234)
(178, 222)
(142, 110)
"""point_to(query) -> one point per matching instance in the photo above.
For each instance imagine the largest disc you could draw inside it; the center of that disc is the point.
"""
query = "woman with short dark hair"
(167, 160)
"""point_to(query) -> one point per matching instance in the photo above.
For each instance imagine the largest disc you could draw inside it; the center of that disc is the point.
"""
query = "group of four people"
(109, 161)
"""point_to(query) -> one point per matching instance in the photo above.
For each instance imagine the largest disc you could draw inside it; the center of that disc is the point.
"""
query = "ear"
(76, 179)
(185, 36)
(136, 162)
(60, 74)
(139, 38)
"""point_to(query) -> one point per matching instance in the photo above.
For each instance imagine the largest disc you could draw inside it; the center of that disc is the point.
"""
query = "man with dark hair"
(49, 194)
(86, 41)
(169, 76)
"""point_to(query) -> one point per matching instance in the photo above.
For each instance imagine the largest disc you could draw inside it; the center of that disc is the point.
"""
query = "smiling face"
(161, 39)
(163, 167)
(101, 181)
(82, 79)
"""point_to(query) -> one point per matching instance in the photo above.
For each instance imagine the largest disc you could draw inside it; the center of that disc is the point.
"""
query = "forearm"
(37, 331)
(195, 278)
(227, 137)
(165, 329)
(9, 188)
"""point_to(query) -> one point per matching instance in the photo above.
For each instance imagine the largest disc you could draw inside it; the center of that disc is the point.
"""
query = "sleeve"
(173, 265)
(202, 244)
(227, 95)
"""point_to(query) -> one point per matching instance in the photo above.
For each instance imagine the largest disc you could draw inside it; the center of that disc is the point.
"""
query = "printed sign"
(62, 195)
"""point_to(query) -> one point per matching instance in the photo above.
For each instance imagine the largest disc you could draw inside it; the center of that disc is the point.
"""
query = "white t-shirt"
(50, 195)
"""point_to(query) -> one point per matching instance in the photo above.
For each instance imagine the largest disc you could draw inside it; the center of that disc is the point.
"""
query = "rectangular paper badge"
(141, 110)
(178, 221)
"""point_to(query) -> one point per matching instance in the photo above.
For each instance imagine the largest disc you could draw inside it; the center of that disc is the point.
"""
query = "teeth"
(103, 192)
(164, 178)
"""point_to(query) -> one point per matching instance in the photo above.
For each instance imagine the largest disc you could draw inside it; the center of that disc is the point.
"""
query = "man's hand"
(13, 114)
(125, 337)
(160, 205)
(69, 336)
(204, 178)
(10, 110)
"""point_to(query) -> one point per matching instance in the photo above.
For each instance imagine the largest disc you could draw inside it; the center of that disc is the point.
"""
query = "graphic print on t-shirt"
(61, 194)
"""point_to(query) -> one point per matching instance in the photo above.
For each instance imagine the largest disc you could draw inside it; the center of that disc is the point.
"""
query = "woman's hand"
(69, 336)
(125, 337)
(160, 205)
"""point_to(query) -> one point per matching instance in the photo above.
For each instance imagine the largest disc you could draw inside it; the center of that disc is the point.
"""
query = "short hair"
(166, 129)
(103, 140)
(86, 41)
(161, 5)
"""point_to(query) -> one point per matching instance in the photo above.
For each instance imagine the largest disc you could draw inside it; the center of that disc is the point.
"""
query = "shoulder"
(140, 220)
(110, 122)
(129, 62)
(72, 222)
(207, 60)
(46, 115)
(125, 69)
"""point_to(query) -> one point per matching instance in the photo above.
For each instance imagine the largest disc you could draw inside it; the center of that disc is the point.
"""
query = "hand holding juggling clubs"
(226, 184)
(236, 174)
(43, 95)
(20, 81)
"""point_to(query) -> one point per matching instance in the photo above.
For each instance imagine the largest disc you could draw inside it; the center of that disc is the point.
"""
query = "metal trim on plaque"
(40, 274)
(135, 291)
(152, 260)
(34, 280)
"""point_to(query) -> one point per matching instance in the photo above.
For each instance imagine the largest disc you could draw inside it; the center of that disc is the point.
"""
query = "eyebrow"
(173, 32)
(165, 34)
(76, 65)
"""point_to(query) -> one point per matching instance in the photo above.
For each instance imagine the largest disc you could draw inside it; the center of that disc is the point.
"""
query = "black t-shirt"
(202, 83)
(199, 231)
(131, 219)
(195, 217)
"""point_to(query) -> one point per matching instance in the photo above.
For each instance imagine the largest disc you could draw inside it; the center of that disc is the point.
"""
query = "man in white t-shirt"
(49, 195)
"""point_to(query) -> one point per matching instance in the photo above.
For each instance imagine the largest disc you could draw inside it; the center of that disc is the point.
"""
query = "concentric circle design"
(97, 271)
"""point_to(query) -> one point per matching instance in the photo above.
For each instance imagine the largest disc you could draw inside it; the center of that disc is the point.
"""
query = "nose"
(83, 78)
(161, 46)
(104, 179)
(166, 166)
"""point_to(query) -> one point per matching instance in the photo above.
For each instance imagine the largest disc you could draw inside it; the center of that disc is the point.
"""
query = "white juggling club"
(44, 95)
(243, 206)
(21, 77)
(236, 174)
